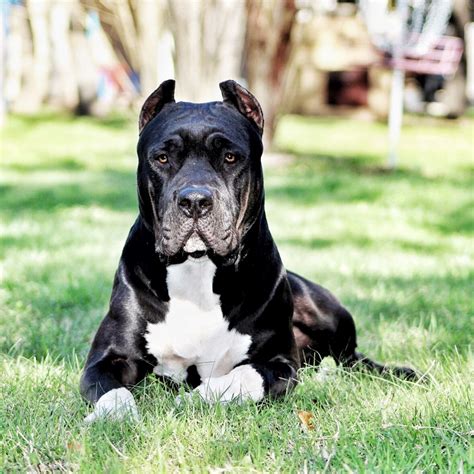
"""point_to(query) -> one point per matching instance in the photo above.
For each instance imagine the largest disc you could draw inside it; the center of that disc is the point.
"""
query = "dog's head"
(200, 181)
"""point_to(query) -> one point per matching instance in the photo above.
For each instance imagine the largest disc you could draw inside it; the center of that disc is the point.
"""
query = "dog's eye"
(229, 158)
(162, 158)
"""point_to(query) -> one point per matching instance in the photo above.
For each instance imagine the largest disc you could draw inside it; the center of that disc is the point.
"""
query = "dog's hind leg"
(343, 350)
(356, 361)
(323, 327)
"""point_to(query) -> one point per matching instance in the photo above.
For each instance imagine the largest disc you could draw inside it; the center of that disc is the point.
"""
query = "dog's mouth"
(195, 246)
(195, 240)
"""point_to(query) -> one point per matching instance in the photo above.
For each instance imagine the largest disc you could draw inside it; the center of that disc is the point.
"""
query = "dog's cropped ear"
(240, 98)
(155, 102)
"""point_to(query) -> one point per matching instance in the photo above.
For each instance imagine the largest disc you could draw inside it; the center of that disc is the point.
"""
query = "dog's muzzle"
(195, 203)
(198, 220)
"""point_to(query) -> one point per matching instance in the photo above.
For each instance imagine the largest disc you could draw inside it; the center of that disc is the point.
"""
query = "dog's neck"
(257, 245)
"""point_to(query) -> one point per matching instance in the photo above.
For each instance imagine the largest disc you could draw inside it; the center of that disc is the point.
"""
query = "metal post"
(391, 31)
(395, 116)
(398, 84)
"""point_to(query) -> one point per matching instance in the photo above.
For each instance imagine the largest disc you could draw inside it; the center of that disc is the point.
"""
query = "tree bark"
(154, 47)
(36, 84)
(63, 84)
(209, 40)
(16, 54)
(268, 46)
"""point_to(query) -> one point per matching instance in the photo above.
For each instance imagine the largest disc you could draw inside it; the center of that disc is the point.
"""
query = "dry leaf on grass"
(307, 420)
(74, 446)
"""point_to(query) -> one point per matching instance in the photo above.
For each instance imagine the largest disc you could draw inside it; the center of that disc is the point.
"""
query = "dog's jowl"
(200, 295)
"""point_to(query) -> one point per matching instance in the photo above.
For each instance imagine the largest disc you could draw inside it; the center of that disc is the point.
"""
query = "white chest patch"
(194, 331)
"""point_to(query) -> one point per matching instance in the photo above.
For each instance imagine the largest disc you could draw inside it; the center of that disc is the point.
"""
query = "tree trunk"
(154, 47)
(63, 81)
(16, 54)
(36, 85)
(209, 41)
(268, 45)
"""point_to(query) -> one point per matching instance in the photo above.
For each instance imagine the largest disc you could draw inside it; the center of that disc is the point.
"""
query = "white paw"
(240, 384)
(118, 404)
(183, 398)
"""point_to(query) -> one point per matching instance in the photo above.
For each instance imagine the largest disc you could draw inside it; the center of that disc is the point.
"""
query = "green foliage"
(395, 247)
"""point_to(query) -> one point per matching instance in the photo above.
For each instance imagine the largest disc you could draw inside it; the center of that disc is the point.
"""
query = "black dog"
(200, 295)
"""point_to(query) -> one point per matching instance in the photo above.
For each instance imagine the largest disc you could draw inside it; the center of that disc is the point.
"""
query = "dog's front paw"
(240, 384)
(184, 398)
(118, 404)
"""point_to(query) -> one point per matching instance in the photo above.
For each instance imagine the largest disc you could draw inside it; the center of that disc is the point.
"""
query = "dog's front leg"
(114, 364)
(250, 382)
(104, 382)
(117, 404)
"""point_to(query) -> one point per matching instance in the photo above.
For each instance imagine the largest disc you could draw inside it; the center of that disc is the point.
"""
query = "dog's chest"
(194, 331)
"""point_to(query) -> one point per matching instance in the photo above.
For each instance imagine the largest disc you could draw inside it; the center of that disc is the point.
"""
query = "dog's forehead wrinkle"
(203, 135)
(196, 118)
(168, 142)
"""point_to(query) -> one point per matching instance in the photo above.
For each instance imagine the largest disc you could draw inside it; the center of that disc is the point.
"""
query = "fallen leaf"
(307, 420)
(74, 446)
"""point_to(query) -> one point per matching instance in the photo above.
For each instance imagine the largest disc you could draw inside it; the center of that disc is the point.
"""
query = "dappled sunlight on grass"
(354, 414)
(428, 149)
(395, 247)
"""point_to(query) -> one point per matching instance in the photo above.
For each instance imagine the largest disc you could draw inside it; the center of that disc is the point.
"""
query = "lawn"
(397, 248)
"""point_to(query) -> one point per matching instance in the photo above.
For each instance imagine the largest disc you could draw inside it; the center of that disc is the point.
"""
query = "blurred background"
(310, 57)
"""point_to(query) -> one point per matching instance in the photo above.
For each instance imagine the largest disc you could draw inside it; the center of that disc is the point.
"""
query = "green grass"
(397, 248)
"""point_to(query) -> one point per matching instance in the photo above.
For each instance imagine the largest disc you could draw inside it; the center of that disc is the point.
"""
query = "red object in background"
(348, 88)
(443, 58)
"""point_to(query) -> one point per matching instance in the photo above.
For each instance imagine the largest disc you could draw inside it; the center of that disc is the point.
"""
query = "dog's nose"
(195, 202)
